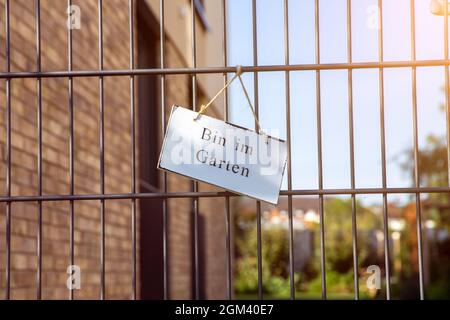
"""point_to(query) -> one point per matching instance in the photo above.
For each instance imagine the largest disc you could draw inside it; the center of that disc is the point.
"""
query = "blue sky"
(334, 92)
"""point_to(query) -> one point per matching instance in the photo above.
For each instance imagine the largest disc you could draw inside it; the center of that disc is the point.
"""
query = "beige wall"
(209, 44)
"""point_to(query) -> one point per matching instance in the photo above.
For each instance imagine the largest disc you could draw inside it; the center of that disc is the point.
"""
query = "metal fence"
(194, 71)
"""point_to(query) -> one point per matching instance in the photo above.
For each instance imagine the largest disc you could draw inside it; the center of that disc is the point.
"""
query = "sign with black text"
(223, 154)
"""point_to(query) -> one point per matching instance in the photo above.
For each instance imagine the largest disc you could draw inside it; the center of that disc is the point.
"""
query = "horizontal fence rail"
(219, 70)
(219, 194)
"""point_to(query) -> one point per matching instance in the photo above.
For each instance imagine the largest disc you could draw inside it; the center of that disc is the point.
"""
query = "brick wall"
(55, 102)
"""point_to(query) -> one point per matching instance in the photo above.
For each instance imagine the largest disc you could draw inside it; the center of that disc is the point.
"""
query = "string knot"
(202, 109)
(239, 70)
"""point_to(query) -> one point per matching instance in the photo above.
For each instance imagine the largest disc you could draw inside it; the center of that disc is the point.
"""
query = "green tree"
(275, 251)
(338, 233)
(433, 172)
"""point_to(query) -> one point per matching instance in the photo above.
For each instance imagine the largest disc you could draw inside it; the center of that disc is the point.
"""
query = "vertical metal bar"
(352, 150)
(133, 152)
(416, 149)
(8, 153)
(102, 151)
(256, 97)
(319, 153)
(71, 152)
(447, 92)
(226, 115)
(383, 152)
(259, 250)
(288, 129)
(195, 184)
(228, 247)
(162, 37)
(39, 163)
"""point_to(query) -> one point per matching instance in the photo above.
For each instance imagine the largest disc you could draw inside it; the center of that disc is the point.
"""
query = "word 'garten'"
(204, 156)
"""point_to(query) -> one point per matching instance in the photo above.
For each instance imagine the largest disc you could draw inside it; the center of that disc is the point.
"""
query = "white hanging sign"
(223, 154)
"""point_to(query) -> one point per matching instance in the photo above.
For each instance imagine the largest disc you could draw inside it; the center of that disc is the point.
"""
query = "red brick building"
(117, 151)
